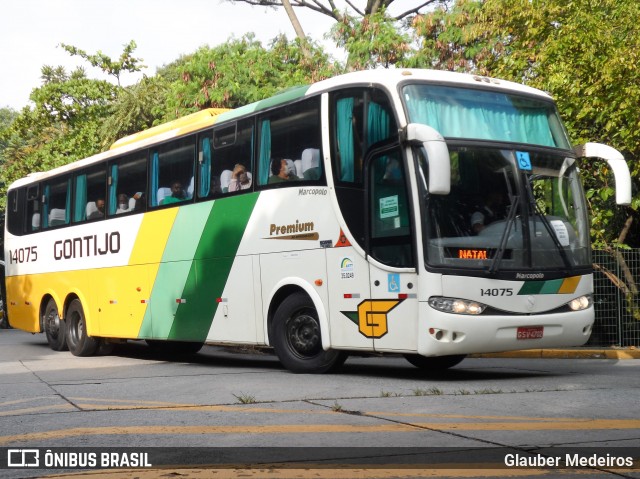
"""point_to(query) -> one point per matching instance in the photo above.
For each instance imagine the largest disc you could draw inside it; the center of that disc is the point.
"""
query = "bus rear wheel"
(79, 342)
(437, 363)
(297, 340)
(54, 327)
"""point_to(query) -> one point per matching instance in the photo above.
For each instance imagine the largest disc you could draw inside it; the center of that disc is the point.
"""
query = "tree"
(65, 121)
(329, 8)
(369, 34)
(584, 53)
(374, 40)
(115, 68)
(239, 72)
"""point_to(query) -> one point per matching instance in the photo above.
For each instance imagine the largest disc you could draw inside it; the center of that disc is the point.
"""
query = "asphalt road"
(244, 401)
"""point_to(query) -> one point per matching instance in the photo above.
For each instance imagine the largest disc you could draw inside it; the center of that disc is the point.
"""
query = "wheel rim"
(303, 335)
(52, 320)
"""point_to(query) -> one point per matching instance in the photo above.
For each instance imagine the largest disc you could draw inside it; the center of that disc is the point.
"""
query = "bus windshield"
(508, 210)
(485, 115)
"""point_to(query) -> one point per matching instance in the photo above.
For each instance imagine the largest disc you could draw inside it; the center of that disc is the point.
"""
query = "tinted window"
(289, 144)
(171, 172)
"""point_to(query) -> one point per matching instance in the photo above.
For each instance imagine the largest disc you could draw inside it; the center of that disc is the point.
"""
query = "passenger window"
(90, 199)
(284, 136)
(56, 210)
(34, 216)
(361, 118)
(172, 173)
(127, 184)
(225, 160)
(16, 211)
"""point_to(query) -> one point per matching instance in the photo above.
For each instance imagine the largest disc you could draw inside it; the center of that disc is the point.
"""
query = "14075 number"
(496, 292)
(23, 255)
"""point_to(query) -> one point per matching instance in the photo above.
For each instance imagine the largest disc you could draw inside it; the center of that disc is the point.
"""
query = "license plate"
(530, 332)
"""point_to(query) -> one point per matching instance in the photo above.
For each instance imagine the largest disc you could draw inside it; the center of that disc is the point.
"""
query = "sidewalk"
(569, 353)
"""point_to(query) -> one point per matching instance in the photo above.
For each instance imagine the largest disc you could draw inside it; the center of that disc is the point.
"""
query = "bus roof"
(186, 124)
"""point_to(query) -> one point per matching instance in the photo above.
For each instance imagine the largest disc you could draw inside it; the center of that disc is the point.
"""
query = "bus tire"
(437, 363)
(297, 340)
(54, 328)
(78, 341)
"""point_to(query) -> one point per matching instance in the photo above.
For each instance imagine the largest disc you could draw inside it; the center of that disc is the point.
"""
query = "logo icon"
(524, 160)
(23, 458)
(371, 316)
(347, 269)
(393, 280)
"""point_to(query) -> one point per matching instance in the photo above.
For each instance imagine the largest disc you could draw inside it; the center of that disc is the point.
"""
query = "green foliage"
(135, 108)
(63, 124)
(372, 40)
(126, 62)
(443, 39)
(585, 53)
(239, 72)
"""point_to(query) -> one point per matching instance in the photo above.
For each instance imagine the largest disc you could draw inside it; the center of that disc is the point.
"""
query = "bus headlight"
(583, 302)
(456, 305)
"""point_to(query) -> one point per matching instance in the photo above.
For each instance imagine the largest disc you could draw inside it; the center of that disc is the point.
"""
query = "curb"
(565, 354)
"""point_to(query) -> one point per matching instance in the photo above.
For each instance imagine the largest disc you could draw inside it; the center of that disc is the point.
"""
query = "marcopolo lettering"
(85, 246)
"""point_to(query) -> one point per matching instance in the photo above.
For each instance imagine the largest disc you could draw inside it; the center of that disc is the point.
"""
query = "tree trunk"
(297, 27)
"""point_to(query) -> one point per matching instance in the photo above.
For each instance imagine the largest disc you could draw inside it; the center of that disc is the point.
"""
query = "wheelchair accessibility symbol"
(393, 280)
(524, 161)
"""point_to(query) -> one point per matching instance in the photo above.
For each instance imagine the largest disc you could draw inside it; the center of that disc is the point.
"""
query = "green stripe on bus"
(174, 269)
(209, 272)
(284, 97)
(541, 287)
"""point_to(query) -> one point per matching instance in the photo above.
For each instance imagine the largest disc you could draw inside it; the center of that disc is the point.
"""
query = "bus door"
(393, 309)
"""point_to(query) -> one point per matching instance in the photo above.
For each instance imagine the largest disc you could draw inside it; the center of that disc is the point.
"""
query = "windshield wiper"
(505, 236)
(547, 225)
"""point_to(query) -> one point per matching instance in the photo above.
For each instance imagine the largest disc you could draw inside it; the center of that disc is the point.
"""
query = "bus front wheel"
(297, 340)
(54, 327)
(437, 363)
(79, 342)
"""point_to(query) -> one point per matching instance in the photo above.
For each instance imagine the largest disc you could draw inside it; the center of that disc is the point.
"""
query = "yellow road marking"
(30, 410)
(596, 424)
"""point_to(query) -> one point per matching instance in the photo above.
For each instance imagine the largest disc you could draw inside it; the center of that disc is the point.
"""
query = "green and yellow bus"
(423, 213)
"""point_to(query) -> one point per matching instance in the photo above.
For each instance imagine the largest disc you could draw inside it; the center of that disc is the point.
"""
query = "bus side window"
(127, 182)
(16, 211)
(285, 134)
(33, 208)
(226, 159)
(90, 186)
(171, 172)
(360, 119)
(56, 209)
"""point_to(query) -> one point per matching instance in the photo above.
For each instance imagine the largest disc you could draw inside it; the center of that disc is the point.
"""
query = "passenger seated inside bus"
(240, 179)
(281, 171)
(125, 204)
(95, 209)
(176, 194)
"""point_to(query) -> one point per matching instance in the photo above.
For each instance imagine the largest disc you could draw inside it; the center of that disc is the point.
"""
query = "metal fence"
(616, 298)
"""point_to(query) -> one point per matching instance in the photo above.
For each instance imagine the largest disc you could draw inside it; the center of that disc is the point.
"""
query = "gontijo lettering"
(92, 245)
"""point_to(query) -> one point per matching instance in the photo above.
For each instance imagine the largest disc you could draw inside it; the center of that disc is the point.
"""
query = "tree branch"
(358, 11)
(415, 10)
